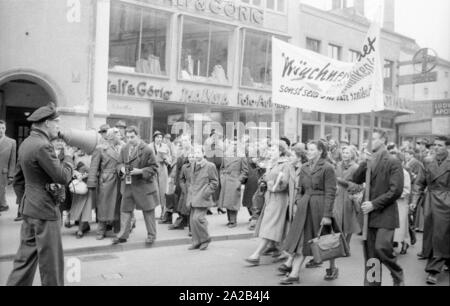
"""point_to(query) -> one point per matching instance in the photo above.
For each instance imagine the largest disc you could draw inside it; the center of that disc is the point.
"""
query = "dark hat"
(47, 112)
(423, 141)
(157, 133)
(121, 124)
(443, 138)
(104, 128)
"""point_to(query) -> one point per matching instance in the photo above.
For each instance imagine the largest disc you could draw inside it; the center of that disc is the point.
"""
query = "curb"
(136, 246)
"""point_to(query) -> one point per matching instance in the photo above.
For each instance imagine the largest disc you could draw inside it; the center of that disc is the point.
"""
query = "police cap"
(47, 112)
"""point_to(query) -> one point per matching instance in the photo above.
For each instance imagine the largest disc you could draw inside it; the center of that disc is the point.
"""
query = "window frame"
(313, 39)
(339, 51)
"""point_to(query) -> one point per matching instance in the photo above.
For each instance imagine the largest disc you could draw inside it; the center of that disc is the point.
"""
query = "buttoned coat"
(185, 183)
(103, 176)
(142, 194)
(386, 188)
(7, 157)
(315, 201)
(163, 159)
(437, 181)
(204, 182)
(38, 166)
(233, 174)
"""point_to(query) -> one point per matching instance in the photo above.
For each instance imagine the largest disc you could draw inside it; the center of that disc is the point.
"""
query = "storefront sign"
(418, 78)
(392, 102)
(228, 8)
(308, 80)
(129, 108)
(204, 96)
(441, 109)
(256, 101)
(123, 87)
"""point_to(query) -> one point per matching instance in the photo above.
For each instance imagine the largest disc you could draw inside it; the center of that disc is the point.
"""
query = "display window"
(138, 39)
(205, 51)
(333, 132)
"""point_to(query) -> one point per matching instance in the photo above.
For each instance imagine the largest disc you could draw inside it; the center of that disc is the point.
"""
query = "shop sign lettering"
(257, 101)
(226, 8)
(204, 96)
(441, 109)
(141, 90)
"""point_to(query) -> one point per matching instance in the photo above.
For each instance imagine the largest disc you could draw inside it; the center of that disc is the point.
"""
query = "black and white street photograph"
(225, 148)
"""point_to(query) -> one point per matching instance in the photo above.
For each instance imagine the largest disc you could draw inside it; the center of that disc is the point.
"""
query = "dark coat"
(251, 184)
(233, 174)
(315, 200)
(142, 194)
(103, 176)
(437, 179)
(385, 189)
(204, 182)
(7, 157)
(185, 183)
(39, 166)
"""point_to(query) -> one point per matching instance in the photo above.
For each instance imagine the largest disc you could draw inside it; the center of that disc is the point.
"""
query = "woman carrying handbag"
(315, 200)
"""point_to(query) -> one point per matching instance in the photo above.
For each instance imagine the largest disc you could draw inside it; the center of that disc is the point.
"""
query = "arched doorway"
(19, 98)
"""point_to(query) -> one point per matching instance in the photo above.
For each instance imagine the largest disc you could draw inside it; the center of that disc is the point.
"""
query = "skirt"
(81, 209)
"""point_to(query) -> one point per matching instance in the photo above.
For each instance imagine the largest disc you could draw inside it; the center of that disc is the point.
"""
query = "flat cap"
(121, 124)
(104, 128)
(47, 112)
(157, 133)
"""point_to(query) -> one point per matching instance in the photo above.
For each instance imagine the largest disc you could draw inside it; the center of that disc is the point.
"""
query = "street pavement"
(172, 264)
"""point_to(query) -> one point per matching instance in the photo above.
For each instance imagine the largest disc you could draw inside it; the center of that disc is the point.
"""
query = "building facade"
(159, 63)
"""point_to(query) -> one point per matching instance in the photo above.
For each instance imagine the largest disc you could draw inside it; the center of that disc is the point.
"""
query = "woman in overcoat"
(315, 201)
(345, 211)
(272, 223)
(104, 179)
(233, 174)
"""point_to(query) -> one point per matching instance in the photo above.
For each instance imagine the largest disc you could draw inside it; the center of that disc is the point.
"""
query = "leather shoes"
(194, 247)
(253, 262)
(18, 219)
(432, 279)
(290, 280)
(176, 227)
(312, 264)
(420, 256)
(149, 241)
(118, 241)
(232, 225)
(204, 246)
(332, 274)
(284, 269)
(270, 251)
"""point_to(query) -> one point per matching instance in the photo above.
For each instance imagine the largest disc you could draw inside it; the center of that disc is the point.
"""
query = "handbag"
(329, 247)
(78, 187)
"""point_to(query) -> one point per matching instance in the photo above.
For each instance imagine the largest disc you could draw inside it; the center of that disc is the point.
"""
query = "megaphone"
(84, 140)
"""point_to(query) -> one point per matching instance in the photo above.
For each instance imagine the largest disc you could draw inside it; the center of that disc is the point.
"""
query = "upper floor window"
(204, 51)
(446, 74)
(276, 5)
(334, 52)
(353, 56)
(388, 75)
(138, 39)
(313, 44)
(426, 91)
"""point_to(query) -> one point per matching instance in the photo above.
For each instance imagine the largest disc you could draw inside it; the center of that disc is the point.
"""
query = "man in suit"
(7, 164)
(385, 189)
(40, 171)
(436, 178)
(138, 169)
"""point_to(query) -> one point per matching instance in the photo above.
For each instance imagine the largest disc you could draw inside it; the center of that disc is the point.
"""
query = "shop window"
(334, 52)
(366, 120)
(387, 123)
(352, 136)
(204, 54)
(426, 91)
(352, 120)
(257, 63)
(333, 118)
(138, 39)
(313, 44)
(310, 116)
(333, 132)
(353, 56)
(388, 75)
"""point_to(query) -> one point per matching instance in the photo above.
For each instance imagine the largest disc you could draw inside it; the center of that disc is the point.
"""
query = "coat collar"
(39, 132)
(112, 153)
(380, 160)
(438, 171)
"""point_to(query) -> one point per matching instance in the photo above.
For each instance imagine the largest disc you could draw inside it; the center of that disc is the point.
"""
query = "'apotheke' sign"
(441, 109)
(227, 8)
(124, 87)
(257, 101)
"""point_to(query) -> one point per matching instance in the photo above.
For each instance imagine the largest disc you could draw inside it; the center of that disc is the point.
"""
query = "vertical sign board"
(441, 118)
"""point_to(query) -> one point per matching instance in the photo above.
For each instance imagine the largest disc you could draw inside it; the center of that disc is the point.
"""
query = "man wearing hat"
(122, 126)
(104, 130)
(42, 173)
(424, 150)
(436, 179)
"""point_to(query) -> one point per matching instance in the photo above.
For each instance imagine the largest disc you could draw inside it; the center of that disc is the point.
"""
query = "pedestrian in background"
(7, 164)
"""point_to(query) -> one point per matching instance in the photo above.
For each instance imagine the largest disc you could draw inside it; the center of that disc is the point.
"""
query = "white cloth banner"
(311, 81)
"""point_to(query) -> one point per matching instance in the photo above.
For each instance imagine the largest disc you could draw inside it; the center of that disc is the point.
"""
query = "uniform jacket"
(204, 182)
(103, 176)
(385, 189)
(437, 179)
(7, 157)
(233, 174)
(143, 191)
(38, 166)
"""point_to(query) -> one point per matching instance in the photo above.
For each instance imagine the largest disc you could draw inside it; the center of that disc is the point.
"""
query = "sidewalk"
(10, 234)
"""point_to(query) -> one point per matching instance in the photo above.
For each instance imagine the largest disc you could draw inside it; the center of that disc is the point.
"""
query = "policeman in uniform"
(40, 170)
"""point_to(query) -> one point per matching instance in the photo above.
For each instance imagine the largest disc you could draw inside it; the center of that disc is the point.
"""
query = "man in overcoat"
(436, 178)
(204, 182)
(138, 169)
(385, 189)
(7, 164)
(40, 169)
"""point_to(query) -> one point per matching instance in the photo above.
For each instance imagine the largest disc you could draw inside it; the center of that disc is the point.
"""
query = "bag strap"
(321, 228)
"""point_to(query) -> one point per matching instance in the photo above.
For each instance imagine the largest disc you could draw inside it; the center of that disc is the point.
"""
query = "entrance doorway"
(19, 99)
